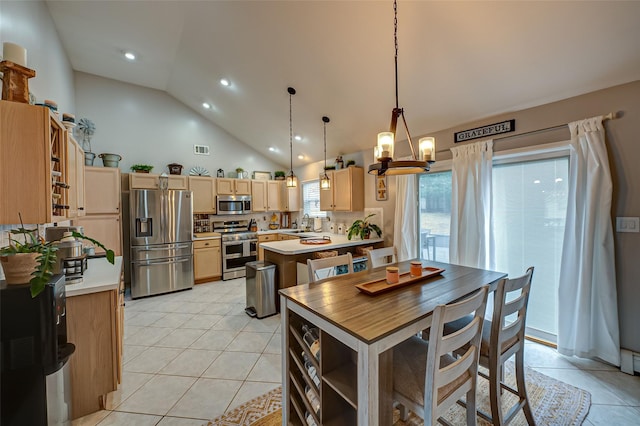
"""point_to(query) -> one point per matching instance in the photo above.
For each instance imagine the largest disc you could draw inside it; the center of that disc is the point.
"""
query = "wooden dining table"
(357, 333)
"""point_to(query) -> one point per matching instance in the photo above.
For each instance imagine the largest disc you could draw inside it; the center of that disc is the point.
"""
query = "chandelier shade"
(292, 180)
(325, 183)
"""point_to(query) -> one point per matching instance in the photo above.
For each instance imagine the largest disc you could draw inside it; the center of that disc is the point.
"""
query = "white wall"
(29, 25)
(148, 126)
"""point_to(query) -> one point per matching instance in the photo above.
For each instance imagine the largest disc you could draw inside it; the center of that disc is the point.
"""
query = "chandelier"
(325, 183)
(383, 152)
(291, 177)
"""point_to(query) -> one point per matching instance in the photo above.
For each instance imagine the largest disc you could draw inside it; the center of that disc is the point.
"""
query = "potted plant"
(34, 260)
(363, 228)
(240, 171)
(279, 175)
(351, 163)
(329, 167)
(141, 168)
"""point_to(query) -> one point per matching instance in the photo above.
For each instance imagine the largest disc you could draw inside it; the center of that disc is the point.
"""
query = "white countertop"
(292, 247)
(99, 276)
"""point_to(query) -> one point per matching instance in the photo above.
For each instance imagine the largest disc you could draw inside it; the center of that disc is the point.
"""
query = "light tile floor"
(191, 356)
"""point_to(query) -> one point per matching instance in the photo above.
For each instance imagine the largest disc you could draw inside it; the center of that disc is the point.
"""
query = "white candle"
(385, 144)
(14, 53)
(427, 149)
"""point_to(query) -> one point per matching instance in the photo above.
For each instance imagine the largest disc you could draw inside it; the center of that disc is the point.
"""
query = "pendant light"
(325, 183)
(291, 177)
(383, 152)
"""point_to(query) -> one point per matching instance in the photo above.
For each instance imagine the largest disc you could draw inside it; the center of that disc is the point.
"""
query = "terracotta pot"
(141, 171)
(18, 268)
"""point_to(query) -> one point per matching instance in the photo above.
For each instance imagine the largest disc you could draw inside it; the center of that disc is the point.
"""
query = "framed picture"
(262, 175)
(382, 192)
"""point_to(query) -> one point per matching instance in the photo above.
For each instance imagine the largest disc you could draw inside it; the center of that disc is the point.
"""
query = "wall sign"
(481, 132)
(382, 194)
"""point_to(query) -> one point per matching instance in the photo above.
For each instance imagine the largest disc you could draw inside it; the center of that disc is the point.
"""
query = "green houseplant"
(351, 163)
(363, 228)
(141, 168)
(279, 175)
(35, 258)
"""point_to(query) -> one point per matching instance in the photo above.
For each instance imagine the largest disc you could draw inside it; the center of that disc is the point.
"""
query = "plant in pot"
(363, 228)
(141, 168)
(351, 163)
(279, 175)
(240, 171)
(329, 167)
(34, 260)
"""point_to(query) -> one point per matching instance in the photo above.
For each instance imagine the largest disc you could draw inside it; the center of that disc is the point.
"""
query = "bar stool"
(381, 257)
(321, 269)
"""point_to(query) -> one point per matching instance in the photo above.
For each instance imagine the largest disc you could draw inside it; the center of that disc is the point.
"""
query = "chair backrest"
(321, 269)
(508, 333)
(381, 257)
(447, 378)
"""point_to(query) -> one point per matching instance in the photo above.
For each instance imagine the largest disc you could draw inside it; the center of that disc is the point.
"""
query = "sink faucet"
(305, 222)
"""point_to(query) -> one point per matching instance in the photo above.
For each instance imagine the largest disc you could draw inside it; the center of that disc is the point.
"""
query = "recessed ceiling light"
(536, 181)
(130, 56)
(298, 137)
(272, 149)
(300, 157)
(225, 82)
(206, 105)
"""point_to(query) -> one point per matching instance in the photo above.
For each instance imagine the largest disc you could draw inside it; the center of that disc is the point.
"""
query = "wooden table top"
(370, 318)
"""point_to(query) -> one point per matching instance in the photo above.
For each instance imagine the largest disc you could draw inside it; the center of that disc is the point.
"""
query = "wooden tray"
(380, 286)
(315, 241)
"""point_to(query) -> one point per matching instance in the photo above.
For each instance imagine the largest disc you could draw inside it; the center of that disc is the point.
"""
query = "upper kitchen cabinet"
(75, 171)
(151, 181)
(347, 191)
(229, 186)
(204, 193)
(289, 198)
(33, 165)
(103, 190)
(265, 195)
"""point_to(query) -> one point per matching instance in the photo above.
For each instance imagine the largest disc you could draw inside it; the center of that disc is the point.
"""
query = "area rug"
(554, 403)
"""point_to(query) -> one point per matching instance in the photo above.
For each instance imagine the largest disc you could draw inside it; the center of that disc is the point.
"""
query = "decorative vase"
(175, 169)
(89, 157)
(18, 268)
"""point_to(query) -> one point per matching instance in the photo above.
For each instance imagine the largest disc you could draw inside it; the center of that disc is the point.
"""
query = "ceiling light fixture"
(225, 82)
(383, 152)
(298, 138)
(300, 157)
(272, 149)
(291, 177)
(325, 183)
(130, 56)
(206, 105)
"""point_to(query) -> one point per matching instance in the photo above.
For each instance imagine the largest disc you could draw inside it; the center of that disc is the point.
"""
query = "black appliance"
(33, 353)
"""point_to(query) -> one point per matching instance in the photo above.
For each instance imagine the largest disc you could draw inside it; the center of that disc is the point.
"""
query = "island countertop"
(294, 247)
(99, 276)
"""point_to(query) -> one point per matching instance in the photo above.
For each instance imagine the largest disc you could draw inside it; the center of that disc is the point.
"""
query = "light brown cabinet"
(105, 228)
(347, 191)
(229, 186)
(33, 165)
(207, 260)
(265, 195)
(102, 190)
(289, 198)
(75, 171)
(152, 181)
(95, 326)
(204, 194)
(263, 238)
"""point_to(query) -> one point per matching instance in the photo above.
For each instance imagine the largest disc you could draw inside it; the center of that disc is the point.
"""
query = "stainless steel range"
(239, 246)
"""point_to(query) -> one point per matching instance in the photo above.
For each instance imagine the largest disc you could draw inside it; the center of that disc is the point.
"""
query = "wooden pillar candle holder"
(15, 82)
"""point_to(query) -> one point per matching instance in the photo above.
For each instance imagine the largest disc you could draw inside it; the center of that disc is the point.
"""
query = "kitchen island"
(288, 253)
(95, 321)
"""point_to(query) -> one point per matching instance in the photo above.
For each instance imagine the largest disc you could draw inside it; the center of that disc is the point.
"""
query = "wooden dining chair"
(426, 378)
(321, 269)
(503, 337)
(381, 257)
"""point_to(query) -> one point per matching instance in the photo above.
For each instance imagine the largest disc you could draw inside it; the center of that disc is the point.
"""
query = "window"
(434, 215)
(311, 199)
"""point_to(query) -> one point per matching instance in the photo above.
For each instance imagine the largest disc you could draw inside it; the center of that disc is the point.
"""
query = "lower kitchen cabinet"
(103, 228)
(207, 260)
(95, 324)
(263, 238)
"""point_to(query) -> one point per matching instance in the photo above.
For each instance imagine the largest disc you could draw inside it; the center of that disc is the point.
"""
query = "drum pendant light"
(325, 183)
(291, 177)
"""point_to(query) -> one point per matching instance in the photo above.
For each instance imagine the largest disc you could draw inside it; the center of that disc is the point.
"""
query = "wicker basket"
(325, 254)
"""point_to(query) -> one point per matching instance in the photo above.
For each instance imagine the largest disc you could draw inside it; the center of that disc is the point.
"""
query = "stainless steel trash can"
(261, 289)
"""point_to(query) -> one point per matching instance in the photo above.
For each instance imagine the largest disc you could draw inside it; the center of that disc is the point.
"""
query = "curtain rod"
(610, 116)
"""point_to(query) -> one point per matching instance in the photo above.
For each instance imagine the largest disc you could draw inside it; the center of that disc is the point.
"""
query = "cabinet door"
(178, 182)
(143, 181)
(102, 190)
(290, 198)
(259, 197)
(326, 197)
(80, 181)
(225, 186)
(72, 173)
(204, 194)
(341, 187)
(242, 186)
(273, 195)
(207, 263)
(103, 228)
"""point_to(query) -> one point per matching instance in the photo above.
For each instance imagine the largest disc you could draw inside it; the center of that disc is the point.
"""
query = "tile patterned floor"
(191, 356)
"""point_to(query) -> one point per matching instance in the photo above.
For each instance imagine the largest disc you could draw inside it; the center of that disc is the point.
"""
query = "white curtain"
(472, 238)
(405, 238)
(587, 296)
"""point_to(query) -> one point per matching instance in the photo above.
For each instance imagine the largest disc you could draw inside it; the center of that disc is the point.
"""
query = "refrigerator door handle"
(165, 262)
(165, 248)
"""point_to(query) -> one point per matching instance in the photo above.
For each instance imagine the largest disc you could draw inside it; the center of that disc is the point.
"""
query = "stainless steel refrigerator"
(161, 231)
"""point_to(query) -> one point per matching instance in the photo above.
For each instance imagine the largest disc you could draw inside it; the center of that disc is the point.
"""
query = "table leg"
(375, 386)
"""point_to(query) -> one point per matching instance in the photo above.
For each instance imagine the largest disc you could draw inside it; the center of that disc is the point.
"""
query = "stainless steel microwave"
(233, 204)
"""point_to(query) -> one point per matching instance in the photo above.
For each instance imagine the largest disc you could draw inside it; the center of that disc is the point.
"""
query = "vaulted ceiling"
(458, 61)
